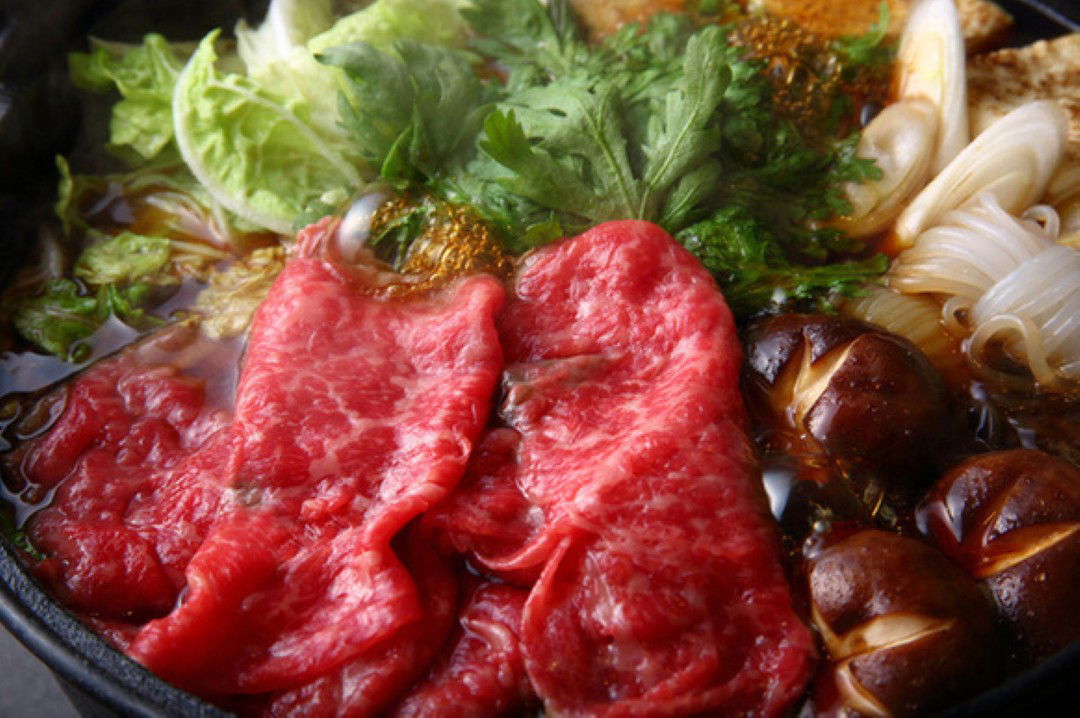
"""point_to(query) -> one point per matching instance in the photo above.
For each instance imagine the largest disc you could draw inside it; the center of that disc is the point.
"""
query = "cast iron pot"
(39, 117)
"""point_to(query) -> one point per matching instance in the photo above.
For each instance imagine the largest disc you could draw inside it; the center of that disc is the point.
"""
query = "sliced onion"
(932, 64)
(1065, 184)
(900, 140)
(1012, 161)
(1064, 194)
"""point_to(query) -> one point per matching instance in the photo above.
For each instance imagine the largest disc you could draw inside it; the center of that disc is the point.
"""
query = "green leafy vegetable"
(277, 59)
(182, 206)
(566, 153)
(288, 25)
(532, 42)
(870, 49)
(793, 188)
(543, 133)
(256, 153)
(570, 153)
(381, 24)
(145, 75)
(67, 191)
(669, 123)
(397, 106)
(756, 276)
(712, 7)
(280, 55)
(681, 140)
(64, 313)
(565, 144)
(392, 241)
(125, 258)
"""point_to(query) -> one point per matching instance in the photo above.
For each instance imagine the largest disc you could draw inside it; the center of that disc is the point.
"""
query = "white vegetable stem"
(1012, 161)
(931, 64)
(288, 24)
(900, 140)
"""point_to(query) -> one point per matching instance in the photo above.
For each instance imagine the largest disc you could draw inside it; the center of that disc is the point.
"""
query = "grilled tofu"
(1045, 70)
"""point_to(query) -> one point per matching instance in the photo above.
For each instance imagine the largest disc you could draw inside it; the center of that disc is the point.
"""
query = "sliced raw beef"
(677, 606)
(355, 413)
(253, 554)
(627, 478)
(488, 515)
(482, 672)
(119, 417)
(372, 681)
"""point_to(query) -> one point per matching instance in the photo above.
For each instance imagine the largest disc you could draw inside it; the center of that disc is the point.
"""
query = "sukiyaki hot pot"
(318, 402)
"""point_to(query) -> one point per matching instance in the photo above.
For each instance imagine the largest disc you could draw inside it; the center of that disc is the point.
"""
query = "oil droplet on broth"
(454, 242)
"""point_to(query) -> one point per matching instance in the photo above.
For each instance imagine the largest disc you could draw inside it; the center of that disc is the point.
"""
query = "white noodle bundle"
(969, 252)
(1006, 282)
(1035, 311)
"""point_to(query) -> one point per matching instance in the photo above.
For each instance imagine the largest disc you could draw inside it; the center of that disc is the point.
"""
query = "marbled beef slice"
(252, 555)
(624, 478)
(355, 413)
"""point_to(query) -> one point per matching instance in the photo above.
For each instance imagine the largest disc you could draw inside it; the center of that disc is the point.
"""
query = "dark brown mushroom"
(861, 413)
(906, 630)
(863, 397)
(1012, 519)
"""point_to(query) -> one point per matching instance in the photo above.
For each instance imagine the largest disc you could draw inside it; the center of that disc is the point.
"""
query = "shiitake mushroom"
(861, 410)
(905, 630)
(861, 395)
(1012, 519)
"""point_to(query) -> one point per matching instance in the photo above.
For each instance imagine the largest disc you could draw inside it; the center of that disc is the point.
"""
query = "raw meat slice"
(175, 510)
(482, 672)
(118, 417)
(488, 515)
(678, 606)
(632, 485)
(128, 412)
(370, 683)
(615, 339)
(354, 414)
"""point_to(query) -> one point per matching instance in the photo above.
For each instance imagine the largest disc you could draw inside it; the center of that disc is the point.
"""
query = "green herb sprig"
(546, 134)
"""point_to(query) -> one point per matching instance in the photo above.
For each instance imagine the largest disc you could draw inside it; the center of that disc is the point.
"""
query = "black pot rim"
(82, 659)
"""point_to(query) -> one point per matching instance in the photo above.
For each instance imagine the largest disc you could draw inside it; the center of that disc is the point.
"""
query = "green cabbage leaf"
(254, 151)
(145, 75)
